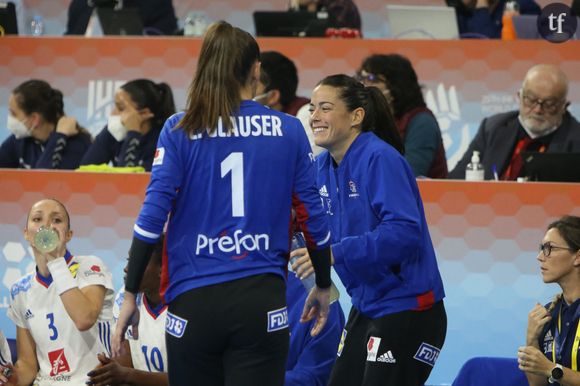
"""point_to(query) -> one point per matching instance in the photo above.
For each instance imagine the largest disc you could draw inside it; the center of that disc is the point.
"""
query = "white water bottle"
(309, 281)
(298, 242)
(474, 169)
(195, 24)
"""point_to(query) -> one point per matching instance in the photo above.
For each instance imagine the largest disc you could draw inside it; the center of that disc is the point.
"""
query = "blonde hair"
(555, 301)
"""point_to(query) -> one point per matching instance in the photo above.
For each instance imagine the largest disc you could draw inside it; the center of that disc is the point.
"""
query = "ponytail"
(157, 97)
(167, 104)
(379, 119)
(37, 96)
(223, 69)
(555, 301)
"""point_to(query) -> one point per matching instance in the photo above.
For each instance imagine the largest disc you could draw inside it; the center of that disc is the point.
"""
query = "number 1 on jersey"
(235, 163)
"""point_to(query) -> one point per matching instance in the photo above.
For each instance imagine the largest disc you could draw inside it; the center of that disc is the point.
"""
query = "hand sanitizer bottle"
(474, 169)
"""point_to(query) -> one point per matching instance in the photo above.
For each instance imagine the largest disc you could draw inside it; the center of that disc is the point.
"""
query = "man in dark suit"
(158, 15)
(542, 124)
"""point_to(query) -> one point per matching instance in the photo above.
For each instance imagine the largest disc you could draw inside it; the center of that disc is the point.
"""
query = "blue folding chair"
(485, 371)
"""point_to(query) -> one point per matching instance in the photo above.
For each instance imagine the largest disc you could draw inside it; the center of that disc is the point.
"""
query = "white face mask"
(116, 128)
(17, 128)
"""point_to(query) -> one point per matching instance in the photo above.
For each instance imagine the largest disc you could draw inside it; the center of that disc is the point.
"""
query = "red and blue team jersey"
(229, 198)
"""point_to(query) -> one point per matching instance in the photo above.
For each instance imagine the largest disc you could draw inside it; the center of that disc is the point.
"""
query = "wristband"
(321, 263)
(139, 255)
(61, 275)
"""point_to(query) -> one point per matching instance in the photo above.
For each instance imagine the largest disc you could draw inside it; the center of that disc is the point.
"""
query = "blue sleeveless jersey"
(229, 199)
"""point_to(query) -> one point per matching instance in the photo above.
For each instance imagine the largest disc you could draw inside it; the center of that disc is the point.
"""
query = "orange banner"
(485, 235)
(463, 81)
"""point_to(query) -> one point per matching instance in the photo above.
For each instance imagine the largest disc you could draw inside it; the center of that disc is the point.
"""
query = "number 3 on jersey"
(235, 163)
(51, 326)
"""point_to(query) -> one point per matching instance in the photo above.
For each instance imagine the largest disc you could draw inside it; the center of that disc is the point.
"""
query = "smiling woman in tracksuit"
(227, 172)
(380, 241)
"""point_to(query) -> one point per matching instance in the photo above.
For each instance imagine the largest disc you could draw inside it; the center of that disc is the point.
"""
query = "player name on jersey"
(246, 126)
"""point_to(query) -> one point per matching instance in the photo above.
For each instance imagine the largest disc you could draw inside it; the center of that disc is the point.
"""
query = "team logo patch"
(94, 270)
(28, 314)
(427, 354)
(373, 348)
(159, 154)
(277, 319)
(548, 342)
(58, 362)
(73, 268)
(387, 358)
(341, 344)
(174, 325)
(353, 190)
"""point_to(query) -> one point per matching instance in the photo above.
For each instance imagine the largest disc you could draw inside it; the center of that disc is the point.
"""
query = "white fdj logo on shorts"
(237, 243)
(427, 354)
(373, 348)
(277, 319)
(174, 325)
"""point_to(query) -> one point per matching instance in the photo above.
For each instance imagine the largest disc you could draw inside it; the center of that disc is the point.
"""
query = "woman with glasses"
(394, 75)
(381, 245)
(542, 124)
(553, 334)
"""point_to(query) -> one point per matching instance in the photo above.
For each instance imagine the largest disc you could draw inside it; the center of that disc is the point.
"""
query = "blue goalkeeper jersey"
(229, 199)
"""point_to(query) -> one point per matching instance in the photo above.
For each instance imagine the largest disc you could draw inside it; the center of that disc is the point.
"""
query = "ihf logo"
(100, 98)
(557, 23)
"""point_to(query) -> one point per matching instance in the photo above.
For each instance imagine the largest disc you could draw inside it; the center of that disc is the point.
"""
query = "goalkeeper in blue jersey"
(227, 172)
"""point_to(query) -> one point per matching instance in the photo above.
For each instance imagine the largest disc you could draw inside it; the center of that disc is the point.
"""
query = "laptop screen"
(557, 167)
(291, 23)
(125, 21)
(422, 22)
(8, 25)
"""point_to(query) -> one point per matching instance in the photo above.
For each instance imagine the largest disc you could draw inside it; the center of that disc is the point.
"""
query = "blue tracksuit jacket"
(380, 241)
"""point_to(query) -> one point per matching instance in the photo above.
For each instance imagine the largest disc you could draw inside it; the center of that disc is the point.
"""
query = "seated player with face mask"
(130, 137)
(43, 137)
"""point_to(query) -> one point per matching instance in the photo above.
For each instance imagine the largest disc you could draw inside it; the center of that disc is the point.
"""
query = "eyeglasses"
(546, 248)
(549, 105)
(368, 77)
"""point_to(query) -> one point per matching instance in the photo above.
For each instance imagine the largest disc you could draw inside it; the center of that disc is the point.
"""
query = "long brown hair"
(225, 61)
